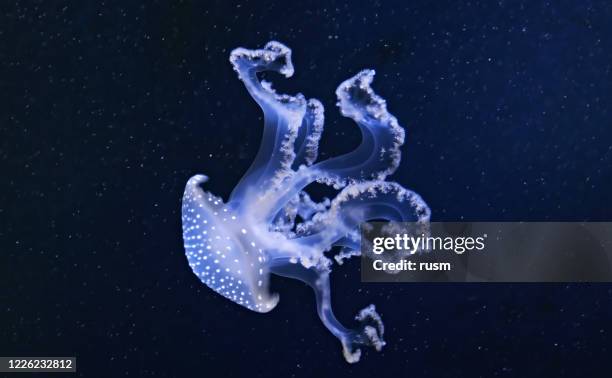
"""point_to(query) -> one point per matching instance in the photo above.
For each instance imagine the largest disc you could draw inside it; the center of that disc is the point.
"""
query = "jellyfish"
(271, 225)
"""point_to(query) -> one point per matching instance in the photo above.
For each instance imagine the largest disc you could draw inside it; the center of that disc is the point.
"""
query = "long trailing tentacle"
(370, 331)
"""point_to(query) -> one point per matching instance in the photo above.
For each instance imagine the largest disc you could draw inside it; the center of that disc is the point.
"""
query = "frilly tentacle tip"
(315, 106)
(370, 334)
(369, 316)
(283, 52)
(357, 99)
(274, 56)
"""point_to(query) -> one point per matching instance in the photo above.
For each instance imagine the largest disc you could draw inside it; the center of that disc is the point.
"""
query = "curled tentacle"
(379, 154)
(370, 331)
(283, 116)
(360, 203)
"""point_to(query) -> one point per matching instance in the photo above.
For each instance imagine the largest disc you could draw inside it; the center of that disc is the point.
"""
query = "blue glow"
(234, 246)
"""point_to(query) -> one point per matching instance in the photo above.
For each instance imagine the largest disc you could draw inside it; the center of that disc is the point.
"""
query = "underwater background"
(107, 109)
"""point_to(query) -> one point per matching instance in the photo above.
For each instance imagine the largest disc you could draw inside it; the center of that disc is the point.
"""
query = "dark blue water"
(106, 110)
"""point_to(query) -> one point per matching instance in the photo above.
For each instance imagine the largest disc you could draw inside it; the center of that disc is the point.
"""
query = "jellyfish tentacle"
(307, 143)
(375, 158)
(379, 154)
(273, 57)
(301, 205)
(358, 203)
(371, 329)
(307, 207)
(285, 219)
(346, 253)
(283, 115)
(369, 200)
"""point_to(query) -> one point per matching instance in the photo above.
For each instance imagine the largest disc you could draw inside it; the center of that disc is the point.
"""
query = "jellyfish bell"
(221, 252)
(270, 225)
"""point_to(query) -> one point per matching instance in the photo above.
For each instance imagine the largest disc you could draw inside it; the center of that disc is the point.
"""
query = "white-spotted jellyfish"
(270, 225)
